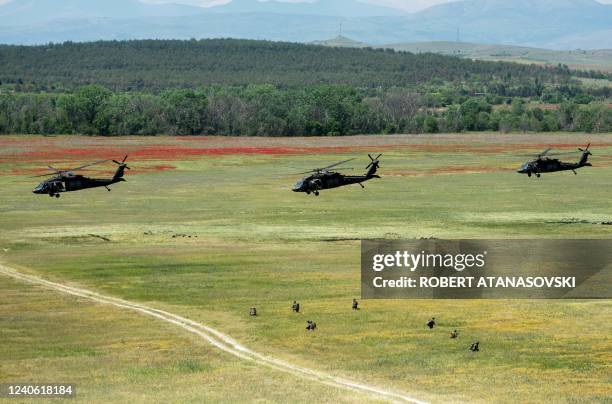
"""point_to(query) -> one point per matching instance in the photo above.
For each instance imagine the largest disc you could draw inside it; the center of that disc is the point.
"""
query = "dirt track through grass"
(215, 338)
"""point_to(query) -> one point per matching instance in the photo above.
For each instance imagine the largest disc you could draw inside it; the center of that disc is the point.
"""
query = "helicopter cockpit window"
(41, 187)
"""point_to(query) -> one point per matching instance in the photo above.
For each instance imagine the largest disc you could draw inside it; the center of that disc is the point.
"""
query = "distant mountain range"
(553, 24)
(32, 13)
(342, 8)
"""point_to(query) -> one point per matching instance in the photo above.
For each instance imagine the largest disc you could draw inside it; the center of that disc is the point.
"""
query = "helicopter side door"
(334, 180)
(73, 183)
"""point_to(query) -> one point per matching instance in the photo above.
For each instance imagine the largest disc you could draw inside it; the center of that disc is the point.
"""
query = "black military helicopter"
(544, 164)
(323, 178)
(67, 180)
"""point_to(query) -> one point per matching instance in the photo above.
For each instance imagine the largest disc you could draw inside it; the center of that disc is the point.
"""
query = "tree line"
(157, 65)
(267, 110)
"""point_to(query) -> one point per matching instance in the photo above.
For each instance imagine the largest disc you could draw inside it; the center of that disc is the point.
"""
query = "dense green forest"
(241, 87)
(265, 110)
(155, 65)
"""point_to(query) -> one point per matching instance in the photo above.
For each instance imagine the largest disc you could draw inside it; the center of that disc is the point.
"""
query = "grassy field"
(207, 227)
(112, 356)
(598, 59)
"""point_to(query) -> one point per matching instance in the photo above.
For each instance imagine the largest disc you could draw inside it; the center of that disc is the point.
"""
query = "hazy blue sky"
(409, 5)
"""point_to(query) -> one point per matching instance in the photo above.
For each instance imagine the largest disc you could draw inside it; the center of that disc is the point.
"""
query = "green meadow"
(207, 234)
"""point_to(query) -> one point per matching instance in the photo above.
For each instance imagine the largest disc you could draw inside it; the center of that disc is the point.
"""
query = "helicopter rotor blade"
(84, 165)
(69, 171)
(548, 154)
(90, 164)
(322, 169)
(545, 152)
(337, 164)
(562, 154)
(43, 175)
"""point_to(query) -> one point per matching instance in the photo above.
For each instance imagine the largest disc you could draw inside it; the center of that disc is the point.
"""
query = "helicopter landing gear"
(574, 171)
(316, 193)
(53, 194)
(538, 175)
(107, 188)
(361, 185)
(57, 195)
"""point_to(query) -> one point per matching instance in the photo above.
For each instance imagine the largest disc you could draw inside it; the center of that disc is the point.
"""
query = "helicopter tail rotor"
(374, 161)
(122, 163)
(120, 170)
(374, 165)
(586, 150)
(585, 155)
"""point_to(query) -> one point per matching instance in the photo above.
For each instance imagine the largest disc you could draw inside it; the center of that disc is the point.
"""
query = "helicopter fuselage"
(325, 179)
(67, 181)
(72, 183)
(328, 180)
(549, 165)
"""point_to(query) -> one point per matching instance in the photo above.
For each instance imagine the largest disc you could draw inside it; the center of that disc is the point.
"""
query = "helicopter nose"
(298, 187)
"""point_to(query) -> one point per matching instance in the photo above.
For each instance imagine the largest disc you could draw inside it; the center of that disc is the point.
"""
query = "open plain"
(206, 227)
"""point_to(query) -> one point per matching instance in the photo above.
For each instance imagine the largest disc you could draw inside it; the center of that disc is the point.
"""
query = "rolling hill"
(162, 64)
(597, 59)
(563, 24)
